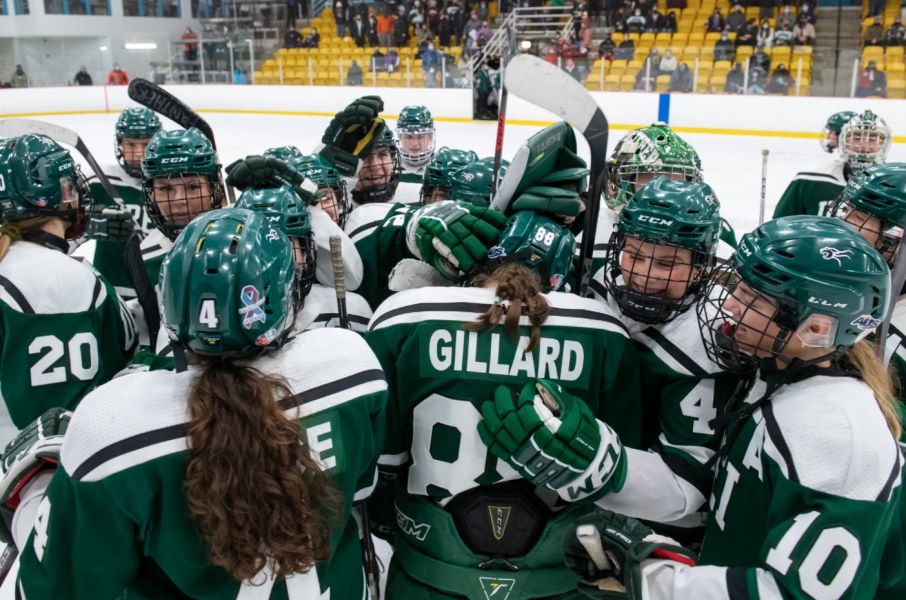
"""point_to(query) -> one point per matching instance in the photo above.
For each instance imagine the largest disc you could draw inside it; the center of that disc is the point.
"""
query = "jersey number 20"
(81, 354)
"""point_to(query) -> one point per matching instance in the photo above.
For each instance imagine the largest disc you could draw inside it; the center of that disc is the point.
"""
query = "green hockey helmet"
(436, 181)
(181, 179)
(663, 250)
(227, 285)
(865, 141)
(474, 183)
(334, 197)
(786, 272)
(138, 125)
(644, 153)
(874, 202)
(415, 132)
(538, 242)
(830, 134)
(380, 174)
(286, 212)
(39, 178)
(288, 154)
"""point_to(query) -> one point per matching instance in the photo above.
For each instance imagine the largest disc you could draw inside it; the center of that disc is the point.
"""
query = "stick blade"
(16, 127)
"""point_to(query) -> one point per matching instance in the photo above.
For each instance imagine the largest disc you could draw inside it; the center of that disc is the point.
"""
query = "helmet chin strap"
(48, 240)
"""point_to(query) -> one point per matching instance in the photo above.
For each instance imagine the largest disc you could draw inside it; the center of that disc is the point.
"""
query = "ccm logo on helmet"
(655, 220)
(170, 161)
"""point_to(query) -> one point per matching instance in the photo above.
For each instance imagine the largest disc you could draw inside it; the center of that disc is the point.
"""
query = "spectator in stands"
(377, 60)
(767, 9)
(668, 63)
(292, 11)
(372, 31)
(291, 39)
(19, 78)
(804, 33)
(896, 34)
(312, 39)
(361, 8)
(724, 49)
(401, 27)
(809, 11)
(872, 82)
(473, 24)
(760, 59)
(459, 18)
(736, 19)
(385, 28)
(780, 80)
(430, 66)
(340, 15)
(748, 35)
(671, 25)
(715, 22)
(765, 35)
(354, 74)
(782, 35)
(444, 29)
(626, 50)
(619, 21)
(432, 15)
(786, 19)
(636, 22)
(190, 48)
(484, 33)
(82, 77)
(657, 23)
(392, 61)
(606, 47)
(681, 80)
(359, 30)
(238, 76)
(653, 59)
(757, 77)
(876, 7)
(482, 10)
(117, 76)
(586, 41)
(874, 34)
(645, 80)
(570, 67)
(735, 80)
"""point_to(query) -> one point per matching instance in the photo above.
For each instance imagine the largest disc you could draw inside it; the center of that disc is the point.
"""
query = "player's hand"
(454, 237)
(35, 449)
(606, 549)
(257, 172)
(552, 438)
(352, 133)
(111, 224)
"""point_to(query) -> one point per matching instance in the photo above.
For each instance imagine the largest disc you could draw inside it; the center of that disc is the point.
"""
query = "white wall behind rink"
(718, 114)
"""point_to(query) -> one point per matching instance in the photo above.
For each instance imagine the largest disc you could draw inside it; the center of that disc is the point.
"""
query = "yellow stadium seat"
(710, 38)
(663, 39)
(701, 83)
(663, 82)
(647, 37)
(718, 82)
(896, 71)
(612, 83)
(896, 88)
(627, 82)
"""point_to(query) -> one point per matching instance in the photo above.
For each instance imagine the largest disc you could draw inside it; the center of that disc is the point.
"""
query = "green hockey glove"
(111, 224)
(352, 133)
(606, 549)
(35, 449)
(552, 438)
(257, 172)
(454, 237)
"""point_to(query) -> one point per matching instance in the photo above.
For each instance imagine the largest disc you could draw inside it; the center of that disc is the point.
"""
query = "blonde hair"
(517, 285)
(863, 356)
(12, 232)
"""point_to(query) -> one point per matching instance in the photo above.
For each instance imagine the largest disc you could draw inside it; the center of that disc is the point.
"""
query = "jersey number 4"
(81, 353)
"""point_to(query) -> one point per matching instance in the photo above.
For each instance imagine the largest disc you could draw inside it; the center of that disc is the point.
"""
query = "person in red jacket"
(117, 76)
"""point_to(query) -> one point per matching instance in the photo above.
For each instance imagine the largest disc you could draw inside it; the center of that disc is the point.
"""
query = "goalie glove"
(111, 224)
(35, 449)
(454, 237)
(352, 134)
(258, 172)
(606, 551)
(552, 438)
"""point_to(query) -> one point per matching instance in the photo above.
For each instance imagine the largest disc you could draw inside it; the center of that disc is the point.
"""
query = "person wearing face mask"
(359, 29)
(117, 76)
(82, 77)
(786, 19)
(724, 49)
(736, 19)
(19, 78)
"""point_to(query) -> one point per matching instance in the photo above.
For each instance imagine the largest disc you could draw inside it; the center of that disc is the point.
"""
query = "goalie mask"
(286, 212)
(334, 199)
(663, 250)
(380, 172)
(40, 179)
(830, 134)
(436, 181)
(864, 141)
(642, 155)
(134, 129)
(181, 179)
(812, 277)
(227, 285)
(415, 134)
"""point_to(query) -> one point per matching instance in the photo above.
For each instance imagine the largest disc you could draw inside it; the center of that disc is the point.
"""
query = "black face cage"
(132, 170)
(341, 206)
(381, 192)
(172, 226)
(427, 194)
(77, 217)
(646, 305)
(305, 274)
(718, 327)
(888, 237)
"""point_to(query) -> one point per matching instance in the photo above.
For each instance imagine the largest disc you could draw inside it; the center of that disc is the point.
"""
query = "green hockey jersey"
(130, 190)
(63, 332)
(811, 190)
(154, 250)
(115, 515)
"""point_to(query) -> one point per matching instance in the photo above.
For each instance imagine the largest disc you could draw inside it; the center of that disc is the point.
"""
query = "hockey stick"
(369, 558)
(544, 85)
(501, 111)
(764, 185)
(135, 266)
(164, 103)
(7, 560)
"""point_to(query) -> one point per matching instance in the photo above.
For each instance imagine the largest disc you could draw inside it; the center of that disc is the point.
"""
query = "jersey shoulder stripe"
(156, 244)
(14, 297)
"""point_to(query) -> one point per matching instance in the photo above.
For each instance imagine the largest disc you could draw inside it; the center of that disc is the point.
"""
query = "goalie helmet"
(645, 153)
(40, 179)
(830, 134)
(663, 250)
(138, 125)
(227, 285)
(474, 183)
(874, 202)
(864, 141)
(436, 181)
(334, 199)
(380, 172)
(785, 272)
(181, 179)
(415, 133)
(286, 212)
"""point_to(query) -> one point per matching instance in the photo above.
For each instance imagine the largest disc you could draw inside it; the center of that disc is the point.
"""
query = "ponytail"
(863, 356)
(517, 285)
(257, 495)
(12, 232)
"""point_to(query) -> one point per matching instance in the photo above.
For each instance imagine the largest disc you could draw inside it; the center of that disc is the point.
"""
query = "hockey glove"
(257, 172)
(606, 550)
(454, 237)
(352, 133)
(552, 438)
(111, 224)
(34, 449)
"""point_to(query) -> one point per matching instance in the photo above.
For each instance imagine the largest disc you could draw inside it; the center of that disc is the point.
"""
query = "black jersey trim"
(130, 444)
(326, 317)
(699, 477)
(598, 287)
(98, 286)
(602, 246)
(151, 249)
(17, 295)
(331, 388)
(770, 422)
(828, 177)
(678, 355)
(365, 227)
(737, 584)
(884, 496)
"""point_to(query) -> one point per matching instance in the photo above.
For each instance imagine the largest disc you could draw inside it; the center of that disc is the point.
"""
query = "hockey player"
(415, 137)
(436, 182)
(316, 305)
(334, 198)
(788, 517)
(474, 182)
(63, 331)
(194, 484)
(830, 134)
(864, 141)
(467, 525)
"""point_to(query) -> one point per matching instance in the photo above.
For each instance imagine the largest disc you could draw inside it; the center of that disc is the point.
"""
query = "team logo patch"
(267, 337)
(828, 253)
(41, 202)
(866, 323)
(251, 310)
(496, 588)
(272, 235)
(556, 281)
(496, 252)
(500, 516)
